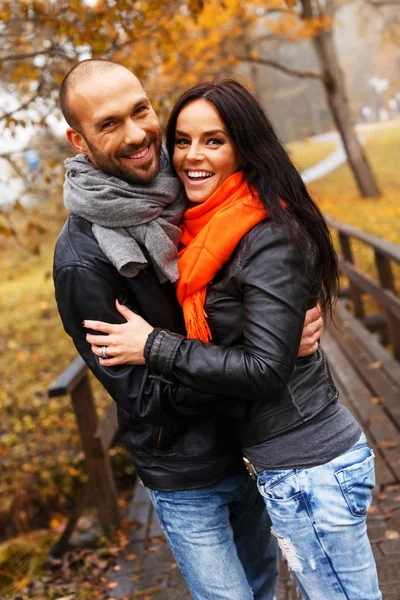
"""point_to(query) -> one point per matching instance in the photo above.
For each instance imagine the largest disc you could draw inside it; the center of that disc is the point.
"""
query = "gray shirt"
(318, 441)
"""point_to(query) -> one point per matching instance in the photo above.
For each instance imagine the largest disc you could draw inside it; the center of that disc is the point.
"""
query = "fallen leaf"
(112, 585)
(131, 556)
(390, 534)
(144, 593)
(388, 444)
(373, 510)
(374, 365)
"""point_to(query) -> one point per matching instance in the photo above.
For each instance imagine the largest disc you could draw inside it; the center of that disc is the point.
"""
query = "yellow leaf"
(112, 585)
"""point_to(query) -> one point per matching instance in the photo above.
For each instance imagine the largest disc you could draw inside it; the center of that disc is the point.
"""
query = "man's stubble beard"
(113, 167)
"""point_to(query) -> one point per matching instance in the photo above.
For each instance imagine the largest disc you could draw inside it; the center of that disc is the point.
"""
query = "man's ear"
(77, 141)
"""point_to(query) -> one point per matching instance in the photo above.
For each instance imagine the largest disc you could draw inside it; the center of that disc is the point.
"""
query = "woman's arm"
(275, 287)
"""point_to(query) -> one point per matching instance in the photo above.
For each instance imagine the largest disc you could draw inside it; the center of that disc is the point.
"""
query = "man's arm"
(82, 293)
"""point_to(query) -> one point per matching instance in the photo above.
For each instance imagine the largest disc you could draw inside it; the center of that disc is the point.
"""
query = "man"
(120, 244)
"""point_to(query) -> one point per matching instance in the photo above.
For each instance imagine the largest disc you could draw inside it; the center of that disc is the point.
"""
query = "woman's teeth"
(199, 174)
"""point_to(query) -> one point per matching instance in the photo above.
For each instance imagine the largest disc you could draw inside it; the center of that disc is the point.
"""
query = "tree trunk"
(335, 89)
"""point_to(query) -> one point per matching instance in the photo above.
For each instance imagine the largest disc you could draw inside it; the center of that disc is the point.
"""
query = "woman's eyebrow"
(210, 132)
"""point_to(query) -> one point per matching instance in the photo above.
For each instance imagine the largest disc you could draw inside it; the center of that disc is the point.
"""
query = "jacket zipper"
(159, 437)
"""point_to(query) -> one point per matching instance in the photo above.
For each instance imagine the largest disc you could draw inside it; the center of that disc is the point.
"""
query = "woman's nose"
(194, 153)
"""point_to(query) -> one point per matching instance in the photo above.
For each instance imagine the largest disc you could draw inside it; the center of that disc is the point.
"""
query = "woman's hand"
(122, 344)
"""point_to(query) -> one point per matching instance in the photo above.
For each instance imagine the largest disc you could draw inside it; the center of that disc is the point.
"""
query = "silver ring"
(103, 351)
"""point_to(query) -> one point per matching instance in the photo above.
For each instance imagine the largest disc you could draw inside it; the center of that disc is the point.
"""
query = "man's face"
(120, 131)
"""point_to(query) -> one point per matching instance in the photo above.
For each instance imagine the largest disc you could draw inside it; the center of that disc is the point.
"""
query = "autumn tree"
(170, 45)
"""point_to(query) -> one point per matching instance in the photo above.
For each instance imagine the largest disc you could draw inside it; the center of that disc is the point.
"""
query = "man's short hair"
(81, 72)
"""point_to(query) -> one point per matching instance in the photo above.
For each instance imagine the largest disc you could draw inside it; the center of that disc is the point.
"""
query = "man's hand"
(313, 325)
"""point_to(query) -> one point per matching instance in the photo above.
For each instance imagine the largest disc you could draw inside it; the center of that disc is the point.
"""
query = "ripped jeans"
(318, 515)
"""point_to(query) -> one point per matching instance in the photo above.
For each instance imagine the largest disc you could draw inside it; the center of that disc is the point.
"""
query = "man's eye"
(107, 124)
(141, 109)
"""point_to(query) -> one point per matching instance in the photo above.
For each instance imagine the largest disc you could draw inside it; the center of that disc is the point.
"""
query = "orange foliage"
(169, 45)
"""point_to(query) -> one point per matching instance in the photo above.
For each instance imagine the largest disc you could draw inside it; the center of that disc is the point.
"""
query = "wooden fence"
(384, 292)
(96, 438)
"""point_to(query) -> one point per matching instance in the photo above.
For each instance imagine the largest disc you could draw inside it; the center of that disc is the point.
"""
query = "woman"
(256, 253)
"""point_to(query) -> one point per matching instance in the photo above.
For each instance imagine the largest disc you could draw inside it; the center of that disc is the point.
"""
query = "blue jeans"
(319, 517)
(221, 539)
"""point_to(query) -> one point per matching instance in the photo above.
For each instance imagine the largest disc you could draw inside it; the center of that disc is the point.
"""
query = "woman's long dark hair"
(268, 168)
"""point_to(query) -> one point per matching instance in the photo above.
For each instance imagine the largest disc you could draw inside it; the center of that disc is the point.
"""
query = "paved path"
(338, 156)
(147, 568)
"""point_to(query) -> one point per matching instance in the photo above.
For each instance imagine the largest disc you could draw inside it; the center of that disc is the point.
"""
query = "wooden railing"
(384, 292)
(96, 438)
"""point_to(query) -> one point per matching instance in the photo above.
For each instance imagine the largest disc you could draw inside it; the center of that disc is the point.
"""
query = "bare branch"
(263, 38)
(47, 51)
(272, 11)
(18, 171)
(24, 104)
(275, 65)
(382, 3)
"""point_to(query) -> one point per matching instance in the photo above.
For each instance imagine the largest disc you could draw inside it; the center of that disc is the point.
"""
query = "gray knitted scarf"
(127, 217)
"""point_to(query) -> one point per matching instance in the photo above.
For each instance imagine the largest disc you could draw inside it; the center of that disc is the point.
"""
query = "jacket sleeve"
(82, 293)
(275, 285)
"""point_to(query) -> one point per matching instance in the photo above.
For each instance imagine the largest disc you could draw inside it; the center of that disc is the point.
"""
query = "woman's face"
(204, 155)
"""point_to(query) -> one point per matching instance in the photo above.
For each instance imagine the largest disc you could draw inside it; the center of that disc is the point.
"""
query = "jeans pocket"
(356, 483)
(280, 486)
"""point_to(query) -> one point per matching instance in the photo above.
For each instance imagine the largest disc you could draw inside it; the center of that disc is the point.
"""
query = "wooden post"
(354, 292)
(387, 282)
(96, 440)
(102, 484)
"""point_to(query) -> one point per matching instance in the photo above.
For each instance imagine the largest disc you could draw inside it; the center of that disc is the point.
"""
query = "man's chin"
(141, 176)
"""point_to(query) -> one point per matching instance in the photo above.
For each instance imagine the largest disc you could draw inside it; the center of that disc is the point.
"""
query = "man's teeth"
(199, 174)
(140, 154)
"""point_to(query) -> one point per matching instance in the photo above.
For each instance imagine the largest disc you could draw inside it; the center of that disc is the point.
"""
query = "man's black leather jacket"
(256, 307)
(169, 453)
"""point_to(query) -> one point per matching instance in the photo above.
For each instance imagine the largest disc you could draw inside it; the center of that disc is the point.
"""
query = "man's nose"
(133, 134)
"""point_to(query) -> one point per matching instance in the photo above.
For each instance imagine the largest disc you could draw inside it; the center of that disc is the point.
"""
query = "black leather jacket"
(169, 454)
(256, 307)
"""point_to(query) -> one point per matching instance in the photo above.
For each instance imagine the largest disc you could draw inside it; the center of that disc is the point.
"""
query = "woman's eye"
(214, 142)
(181, 142)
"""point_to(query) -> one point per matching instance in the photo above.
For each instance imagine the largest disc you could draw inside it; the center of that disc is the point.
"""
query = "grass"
(338, 196)
(42, 463)
(308, 153)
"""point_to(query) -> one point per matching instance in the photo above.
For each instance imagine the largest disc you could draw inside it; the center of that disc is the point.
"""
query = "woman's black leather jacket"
(197, 450)
(256, 307)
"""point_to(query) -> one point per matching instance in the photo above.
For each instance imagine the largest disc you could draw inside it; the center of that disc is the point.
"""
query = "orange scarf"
(210, 233)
